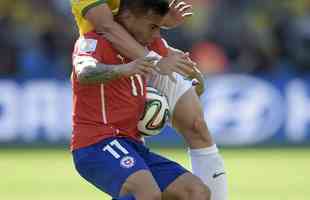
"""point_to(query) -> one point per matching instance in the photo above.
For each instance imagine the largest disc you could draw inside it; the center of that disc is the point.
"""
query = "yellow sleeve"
(80, 8)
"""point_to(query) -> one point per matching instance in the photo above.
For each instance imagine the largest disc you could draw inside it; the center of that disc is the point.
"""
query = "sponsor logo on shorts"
(127, 162)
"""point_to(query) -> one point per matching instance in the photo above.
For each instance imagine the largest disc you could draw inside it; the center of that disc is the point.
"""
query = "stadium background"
(256, 57)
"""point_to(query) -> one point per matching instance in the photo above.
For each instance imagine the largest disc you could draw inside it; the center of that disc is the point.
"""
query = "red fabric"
(122, 109)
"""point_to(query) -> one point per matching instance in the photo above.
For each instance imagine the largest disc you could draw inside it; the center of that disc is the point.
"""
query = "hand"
(179, 12)
(142, 66)
(177, 62)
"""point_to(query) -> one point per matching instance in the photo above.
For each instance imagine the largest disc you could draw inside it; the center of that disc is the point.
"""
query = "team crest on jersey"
(87, 45)
(127, 162)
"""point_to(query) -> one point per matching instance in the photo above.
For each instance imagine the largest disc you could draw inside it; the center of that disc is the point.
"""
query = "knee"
(199, 192)
(199, 130)
(146, 193)
(199, 124)
(156, 196)
(153, 195)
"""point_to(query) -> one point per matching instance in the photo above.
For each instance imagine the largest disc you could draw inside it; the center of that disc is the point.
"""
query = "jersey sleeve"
(88, 46)
(82, 6)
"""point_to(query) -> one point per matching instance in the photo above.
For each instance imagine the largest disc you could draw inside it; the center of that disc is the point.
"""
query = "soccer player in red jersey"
(108, 100)
(206, 161)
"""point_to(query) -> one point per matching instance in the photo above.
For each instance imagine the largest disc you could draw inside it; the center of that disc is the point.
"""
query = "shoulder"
(94, 40)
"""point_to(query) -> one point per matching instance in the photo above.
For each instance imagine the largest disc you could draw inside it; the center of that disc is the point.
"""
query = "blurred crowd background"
(265, 37)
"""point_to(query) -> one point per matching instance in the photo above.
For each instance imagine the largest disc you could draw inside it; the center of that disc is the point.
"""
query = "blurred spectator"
(257, 37)
(210, 58)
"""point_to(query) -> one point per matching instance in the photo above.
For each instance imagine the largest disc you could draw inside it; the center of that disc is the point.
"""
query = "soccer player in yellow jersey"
(98, 15)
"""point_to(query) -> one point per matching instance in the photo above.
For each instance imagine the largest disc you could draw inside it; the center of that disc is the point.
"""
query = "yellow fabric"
(80, 7)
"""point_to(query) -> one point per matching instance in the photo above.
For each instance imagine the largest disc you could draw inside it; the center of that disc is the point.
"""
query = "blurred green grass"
(254, 174)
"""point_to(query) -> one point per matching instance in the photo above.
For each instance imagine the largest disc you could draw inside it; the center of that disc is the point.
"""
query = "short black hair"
(160, 7)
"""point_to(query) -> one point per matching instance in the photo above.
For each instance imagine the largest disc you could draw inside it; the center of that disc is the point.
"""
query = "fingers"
(185, 7)
(181, 72)
(186, 11)
(150, 59)
(184, 70)
(180, 5)
(172, 3)
(189, 14)
(187, 62)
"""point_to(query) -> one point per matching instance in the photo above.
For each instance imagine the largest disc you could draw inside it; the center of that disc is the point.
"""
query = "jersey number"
(109, 148)
(134, 87)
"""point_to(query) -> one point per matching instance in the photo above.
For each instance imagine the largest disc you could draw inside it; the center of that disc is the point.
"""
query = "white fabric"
(172, 90)
(208, 165)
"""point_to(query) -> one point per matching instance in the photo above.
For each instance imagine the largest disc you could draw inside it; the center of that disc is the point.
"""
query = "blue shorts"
(110, 162)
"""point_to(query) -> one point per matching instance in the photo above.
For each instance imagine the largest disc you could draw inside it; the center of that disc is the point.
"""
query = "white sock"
(208, 165)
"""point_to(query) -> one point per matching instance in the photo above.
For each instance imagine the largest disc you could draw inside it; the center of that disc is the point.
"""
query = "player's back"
(105, 110)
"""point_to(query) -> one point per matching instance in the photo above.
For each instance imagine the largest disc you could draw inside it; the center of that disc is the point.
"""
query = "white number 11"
(110, 149)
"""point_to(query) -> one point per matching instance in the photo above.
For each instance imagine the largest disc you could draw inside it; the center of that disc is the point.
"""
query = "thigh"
(172, 90)
(192, 126)
(142, 185)
(164, 171)
(188, 103)
(108, 164)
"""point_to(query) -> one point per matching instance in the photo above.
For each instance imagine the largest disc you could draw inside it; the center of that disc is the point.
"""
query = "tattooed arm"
(90, 71)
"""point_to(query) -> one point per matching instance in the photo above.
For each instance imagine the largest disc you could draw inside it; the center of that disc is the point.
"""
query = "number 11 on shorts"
(109, 148)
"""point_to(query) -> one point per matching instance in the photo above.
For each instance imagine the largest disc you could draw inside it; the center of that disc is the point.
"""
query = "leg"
(187, 187)
(142, 186)
(174, 181)
(115, 167)
(187, 117)
(207, 164)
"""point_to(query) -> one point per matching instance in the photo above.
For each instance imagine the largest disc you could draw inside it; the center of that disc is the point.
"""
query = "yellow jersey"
(80, 8)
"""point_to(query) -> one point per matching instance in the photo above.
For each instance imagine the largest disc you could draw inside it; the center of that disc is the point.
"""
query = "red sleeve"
(159, 46)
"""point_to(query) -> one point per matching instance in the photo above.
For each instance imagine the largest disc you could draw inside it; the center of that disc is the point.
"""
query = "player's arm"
(102, 19)
(90, 71)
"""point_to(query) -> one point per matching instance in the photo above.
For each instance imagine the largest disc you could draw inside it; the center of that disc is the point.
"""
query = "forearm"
(102, 19)
(99, 73)
(124, 42)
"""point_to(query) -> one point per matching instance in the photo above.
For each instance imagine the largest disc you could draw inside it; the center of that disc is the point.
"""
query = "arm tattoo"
(100, 74)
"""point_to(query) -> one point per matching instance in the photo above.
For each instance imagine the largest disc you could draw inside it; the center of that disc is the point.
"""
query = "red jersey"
(105, 110)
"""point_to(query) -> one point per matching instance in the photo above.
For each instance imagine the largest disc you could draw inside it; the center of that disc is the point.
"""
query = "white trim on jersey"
(140, 83)
(104, 114)
(165, 43)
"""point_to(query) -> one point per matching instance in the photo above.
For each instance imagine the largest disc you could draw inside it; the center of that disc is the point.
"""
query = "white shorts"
(172, 90)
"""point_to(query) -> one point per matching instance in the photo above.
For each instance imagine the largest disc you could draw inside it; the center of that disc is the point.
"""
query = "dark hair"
(140, 7)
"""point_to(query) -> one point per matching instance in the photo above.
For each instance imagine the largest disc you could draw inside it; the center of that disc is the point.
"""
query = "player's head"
(143, 18)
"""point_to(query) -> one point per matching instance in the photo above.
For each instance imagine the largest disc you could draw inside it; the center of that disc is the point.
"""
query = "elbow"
(82, 77)
(85, 68)
(83, 74)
